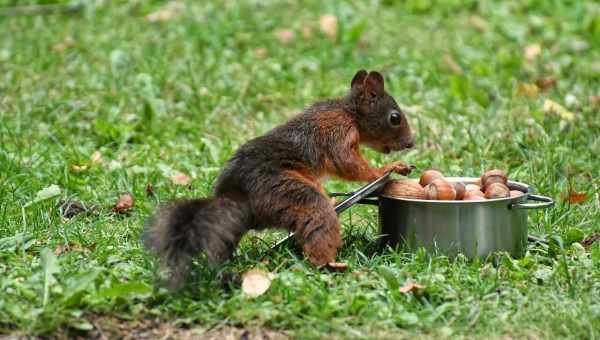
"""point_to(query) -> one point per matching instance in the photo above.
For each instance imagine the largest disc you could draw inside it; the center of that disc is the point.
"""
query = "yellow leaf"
(528, 90)
(555, 108)
(78, 168)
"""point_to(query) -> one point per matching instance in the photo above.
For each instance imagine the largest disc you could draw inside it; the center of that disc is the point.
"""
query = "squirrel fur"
(275, 180)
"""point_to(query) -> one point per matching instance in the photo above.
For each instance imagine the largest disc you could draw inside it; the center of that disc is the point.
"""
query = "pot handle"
(546, 202)
(360, 195)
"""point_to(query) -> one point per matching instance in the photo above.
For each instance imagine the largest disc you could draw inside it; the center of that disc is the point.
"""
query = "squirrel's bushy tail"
(182, 229)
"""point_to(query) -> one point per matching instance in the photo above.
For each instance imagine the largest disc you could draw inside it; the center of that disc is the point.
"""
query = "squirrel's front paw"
(400, 168)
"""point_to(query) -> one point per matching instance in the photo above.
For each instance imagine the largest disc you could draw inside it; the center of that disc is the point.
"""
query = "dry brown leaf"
(545, 83)
(528, 90)
(124, 204)
(337, 266)
(285, 36)
(410, 287)
(96, 157)
(63, 248)
(452, 65)
(531, 52)
(590, 240)
(179, 178)
(71, 208)
(479, 23)
(575, 197)
(329, 26)
(256, 282)
(555, 108)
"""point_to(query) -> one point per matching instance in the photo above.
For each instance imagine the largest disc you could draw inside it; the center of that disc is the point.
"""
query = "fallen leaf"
(179, 178)
(44, 194)
(328, 24)
(96, 157)
(410, 287)
(479, 23)
(337, 266)
(124, 204)
(545, 83)
(531, 52)
(150, 190)
(256, 282)
(595, 100)
(590, 240)
(452, 65)
(63, 248)
(78, 168)
(575, 197)
(169, 12)
(285, 36)
(554, 107)
(528, 90)
(261, 53)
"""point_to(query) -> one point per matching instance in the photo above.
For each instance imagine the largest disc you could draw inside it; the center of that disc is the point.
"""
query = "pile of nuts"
(433, 186)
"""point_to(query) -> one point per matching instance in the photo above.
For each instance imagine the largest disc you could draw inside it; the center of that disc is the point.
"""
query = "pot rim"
(512, 185)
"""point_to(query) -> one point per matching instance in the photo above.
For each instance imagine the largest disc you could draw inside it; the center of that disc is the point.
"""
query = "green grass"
(184, 94)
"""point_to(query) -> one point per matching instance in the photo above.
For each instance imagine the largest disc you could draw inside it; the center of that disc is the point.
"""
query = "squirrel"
(275, 180)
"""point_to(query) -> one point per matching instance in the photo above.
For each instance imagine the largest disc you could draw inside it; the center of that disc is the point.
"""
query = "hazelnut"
(404, 188)
(497, 190)
(516, 193)
(429, 176)
(471, 187)
(493, 176)
(439, 189)
(460, 190)
(473, 195)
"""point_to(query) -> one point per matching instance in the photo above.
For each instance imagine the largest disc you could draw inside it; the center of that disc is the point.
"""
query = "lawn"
(151, 98)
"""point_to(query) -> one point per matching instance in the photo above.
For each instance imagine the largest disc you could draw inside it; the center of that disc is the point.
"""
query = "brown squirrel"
(274, 180)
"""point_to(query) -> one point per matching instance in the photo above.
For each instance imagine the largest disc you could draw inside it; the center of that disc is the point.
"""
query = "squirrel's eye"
(395, 118)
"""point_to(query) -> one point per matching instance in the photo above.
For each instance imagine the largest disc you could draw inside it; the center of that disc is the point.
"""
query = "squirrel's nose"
(410, 143)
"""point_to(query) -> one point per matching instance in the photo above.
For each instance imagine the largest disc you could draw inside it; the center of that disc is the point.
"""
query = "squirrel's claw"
(401, 168)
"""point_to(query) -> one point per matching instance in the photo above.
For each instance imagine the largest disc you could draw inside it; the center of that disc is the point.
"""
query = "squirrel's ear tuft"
(374, 83)
(359, 78)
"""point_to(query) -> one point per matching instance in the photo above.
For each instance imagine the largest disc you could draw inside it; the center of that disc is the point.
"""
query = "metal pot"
(473, 228)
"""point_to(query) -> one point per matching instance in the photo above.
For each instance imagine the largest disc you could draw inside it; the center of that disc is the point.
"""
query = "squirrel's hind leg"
(302, 207)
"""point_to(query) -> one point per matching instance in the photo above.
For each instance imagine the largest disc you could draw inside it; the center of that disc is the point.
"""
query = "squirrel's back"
(299, 144)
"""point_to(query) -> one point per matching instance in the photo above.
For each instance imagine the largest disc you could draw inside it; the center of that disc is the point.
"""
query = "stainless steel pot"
(473, 228)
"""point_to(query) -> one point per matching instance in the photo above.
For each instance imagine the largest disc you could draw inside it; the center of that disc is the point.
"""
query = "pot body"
(473, 228)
